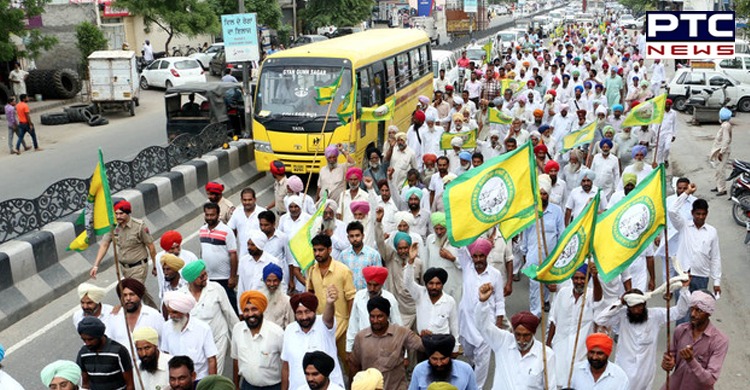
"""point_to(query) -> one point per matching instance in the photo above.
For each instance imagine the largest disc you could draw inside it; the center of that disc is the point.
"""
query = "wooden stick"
(580, 321)
(541, 301)
(656, 148)
(666, 266)
(322, 138)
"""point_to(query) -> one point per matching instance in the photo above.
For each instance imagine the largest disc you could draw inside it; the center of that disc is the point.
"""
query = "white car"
(707, 79)
(445, 60)
(737, 67)
(172, 71)
(205, 57)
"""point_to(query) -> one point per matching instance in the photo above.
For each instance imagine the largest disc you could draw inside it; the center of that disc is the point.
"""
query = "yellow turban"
(172, 261)
(256, 298)
(441, 386)
(95, 293)
(458, 117)
(401, 135)
(146, 333)
(370, 379)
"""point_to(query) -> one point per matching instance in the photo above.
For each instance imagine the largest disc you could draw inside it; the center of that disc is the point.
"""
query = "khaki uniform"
(132, 240)
(279, 192)
(226, 208)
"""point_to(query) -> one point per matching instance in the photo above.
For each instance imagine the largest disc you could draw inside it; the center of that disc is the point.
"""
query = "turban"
(644, 83)
(379, 303)
(538, 112)
(416, 191)
(531, 83)
(543, 128)
(292, 199)
(541, 148)
(636, 78)
(179, 301)
(429, 158)
(615, 69)
(465, 156)
(64, 369)
(458, 117)
(133, 285)
(419, 116)
(423, 99)
(448, 88)
(605, 141)
(564, 107)
(2, 352)
(442, 343)
(430, 117)
(91, 326)
(321, 361)
(258, 238)
(608, 129)
(705, 302)
(215, 382)
(599, 340)
(401, 135)
(169, 238)
(725, 114)
(193, 270)
(481, 245)
(256, 298)
(404, 216)
(401, 236)
(433, 273)
(523, 99)
(555, 80)
(581, 113)
(330, 203)
(668, 101)
(458, 100)
(617, 107)
(214, 187)
(438, 219)
(441, 386)
(375, 274)
(306, 299)
(578, 88)
(272, 268)
(550, 165)
(354, 171)
(545, 183)
(295, 184)
(600, 86)
(393, 129)
(173, 262)
(370, 379)
(631, 178)
(457, 141)
(331, 151)
(494, 133)
(95, 293)
(146, 333)
(552, 92)
(448, 178)
(124, 206)
(525, 319)
(601, 110)
(277, 168)
(586, 173)
(360, 205)
(639, 149)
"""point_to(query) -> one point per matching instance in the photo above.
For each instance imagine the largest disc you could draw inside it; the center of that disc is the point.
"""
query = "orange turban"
(599, 340)
(256, 298)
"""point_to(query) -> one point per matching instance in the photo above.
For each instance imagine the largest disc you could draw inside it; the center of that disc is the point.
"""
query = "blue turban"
(578, 88)
(605, 141)
(401, 236)
(617, 107)
(599, 86)
(639, 149)
(466, 156)
(583, 268)
(586, 173)
(272, 268)
(565, 74)
(587, 84)
(413, 191)
(2, 352)
(725, 114)
(542, 128)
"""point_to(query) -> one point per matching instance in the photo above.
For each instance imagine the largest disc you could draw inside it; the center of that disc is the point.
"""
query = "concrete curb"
(35, 268)
(52, 104)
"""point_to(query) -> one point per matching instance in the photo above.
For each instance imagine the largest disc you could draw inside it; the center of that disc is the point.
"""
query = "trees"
(175, 17)
(13, 23)
(268, 11)
(89, 39)
(320, 13)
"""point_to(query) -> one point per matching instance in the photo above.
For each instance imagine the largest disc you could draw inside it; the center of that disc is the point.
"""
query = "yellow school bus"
(288, 122)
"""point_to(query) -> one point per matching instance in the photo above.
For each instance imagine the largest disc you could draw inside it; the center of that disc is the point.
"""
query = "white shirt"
(105, 315)
(289, 226)
(470, 300)
(242, 223)
(440, 317)
(148, 317)
(639, 174)
(578, 199)
(558, 193)
(613, 378)
(297, 343)
(431, 139)
(214, 309)
(258, 356)
(360, 318)
(250, 272)
(8, 383)
(699, 247)
(154, 381)
(278, 247)
(564, 314)
(674, 234)
(607, 170)
(195, 341)
(452, 286)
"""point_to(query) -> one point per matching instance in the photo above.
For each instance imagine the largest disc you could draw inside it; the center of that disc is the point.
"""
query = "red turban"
(214, 187)
(481, 245)
(555, 80)
(541, 148)
(277, 168)
(552, 92)
(599, 340)
(668, 101)
(133, 285)
(531, 83)
(124, 206)
(169, 238)
(550, 165)
(449, 88)
(429, 157)
(419, 116)
(375, 274)
(526, 319)
(306, 299)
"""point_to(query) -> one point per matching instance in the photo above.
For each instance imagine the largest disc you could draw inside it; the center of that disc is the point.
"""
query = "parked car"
(205, 57)
(217, 65)
(446, 60)
(737, 67)
(701, 78)
(305, 39)
(172, 71)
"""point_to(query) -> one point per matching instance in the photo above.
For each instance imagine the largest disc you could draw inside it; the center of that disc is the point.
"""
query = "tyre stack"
(54, 83)
(86, 113)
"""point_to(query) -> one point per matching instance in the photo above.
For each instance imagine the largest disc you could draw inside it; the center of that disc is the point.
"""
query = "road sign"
(240, 33)
(470, 5)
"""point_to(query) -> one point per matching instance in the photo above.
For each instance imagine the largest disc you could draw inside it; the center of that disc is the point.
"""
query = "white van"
(445, 59)
(741, 47)
(737, 67)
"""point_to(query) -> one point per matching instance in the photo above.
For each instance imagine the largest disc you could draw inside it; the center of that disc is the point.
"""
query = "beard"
(442, 374)
(92, 312)
(256, 324)
(132, 307)
(625, 135)
(179, 324)
(637, 318)
(597, 364)
(638, 165)
(150, 363)
(306, 323)
(578, 289)
(414, 206)
(573, 167)
(374, 165)
(524, 346)
(329, 224)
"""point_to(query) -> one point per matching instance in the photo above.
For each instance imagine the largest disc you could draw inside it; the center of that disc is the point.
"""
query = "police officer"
(134, 247)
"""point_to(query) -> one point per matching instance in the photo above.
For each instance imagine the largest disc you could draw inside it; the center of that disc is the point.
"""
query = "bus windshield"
(289, 91)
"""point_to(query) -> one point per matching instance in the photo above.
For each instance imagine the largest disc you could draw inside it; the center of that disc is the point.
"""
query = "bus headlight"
(262, 146)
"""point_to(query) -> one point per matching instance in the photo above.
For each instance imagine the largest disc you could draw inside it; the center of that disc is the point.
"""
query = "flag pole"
(541, 300)
(656, 149)
(580, 320)
(322, 138)
(669, 296)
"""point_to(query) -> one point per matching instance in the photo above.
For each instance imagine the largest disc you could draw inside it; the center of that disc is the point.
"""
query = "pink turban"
(360, 205)
(179, 301)
(356, 171)
(295, 183)
(481, 245)
(331, 151)
(703, 301)
(423, 99)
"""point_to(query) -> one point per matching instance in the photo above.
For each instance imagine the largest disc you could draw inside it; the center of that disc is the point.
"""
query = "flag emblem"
(632, 222)
(490, 199)
(566, 261)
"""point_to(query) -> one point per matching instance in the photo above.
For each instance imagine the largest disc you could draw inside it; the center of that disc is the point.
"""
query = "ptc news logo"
(690, 35)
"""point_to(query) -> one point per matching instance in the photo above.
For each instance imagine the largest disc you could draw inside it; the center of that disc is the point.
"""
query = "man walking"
(12, 119)
(105, 364)
(184, 335)
(597, 372)
(219, 251)
(25, 125)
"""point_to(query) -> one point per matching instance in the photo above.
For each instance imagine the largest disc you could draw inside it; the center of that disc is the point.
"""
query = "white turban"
(292, 199)
(95, 293)
(601, 110)
(330, 203)
(404, 216)
(458, 100)
(258, 238)
(586, 173)
(179, 301)
(430, 116)
(545, 183)
(457, 141)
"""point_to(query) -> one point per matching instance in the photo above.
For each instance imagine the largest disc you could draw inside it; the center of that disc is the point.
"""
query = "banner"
(301, 244)
(324, 95)
(579, 137)
(377, 114)
(347, 106)
(646, 113)
(469, 137)
(498, 116)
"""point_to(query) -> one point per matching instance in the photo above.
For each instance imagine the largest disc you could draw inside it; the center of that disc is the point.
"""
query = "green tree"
(174, 17)
(13, 24)
(338, 13)
(90, 39)
(268, 11)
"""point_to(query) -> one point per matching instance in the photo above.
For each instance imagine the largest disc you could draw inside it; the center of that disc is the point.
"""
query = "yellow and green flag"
(502, 191)
(627, 228)
(571, 250)
(301, 244)
(98, 216)
(347, 106)
(646, 113)
(324, 95)
(498, 116)
(514, 85)
(377, 114)
(582, 136)
(487, 52)
(469, 137)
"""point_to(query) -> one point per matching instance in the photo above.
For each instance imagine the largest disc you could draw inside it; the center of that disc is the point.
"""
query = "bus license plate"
(298, 168)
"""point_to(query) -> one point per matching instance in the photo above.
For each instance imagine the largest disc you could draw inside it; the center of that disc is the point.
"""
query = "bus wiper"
(312, 119)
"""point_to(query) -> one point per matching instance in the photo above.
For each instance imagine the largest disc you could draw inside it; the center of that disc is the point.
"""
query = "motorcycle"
(741, 192)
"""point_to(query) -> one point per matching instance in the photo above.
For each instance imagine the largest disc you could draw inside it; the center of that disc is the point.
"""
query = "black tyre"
(131, 108)
(144, 83)
(102, 121)
(679, 103)
(66, 82)
(744, 105)
(93, 109)
(94, 119)
(59, 118)
(740, 212)
(77, 112)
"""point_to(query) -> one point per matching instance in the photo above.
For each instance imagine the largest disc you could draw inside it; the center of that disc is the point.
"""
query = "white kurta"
(607, 170)
(452, 286)
(440, 317)
(564, 314)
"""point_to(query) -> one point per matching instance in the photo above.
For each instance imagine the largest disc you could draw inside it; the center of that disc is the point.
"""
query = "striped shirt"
(216, 245)
(105, 367)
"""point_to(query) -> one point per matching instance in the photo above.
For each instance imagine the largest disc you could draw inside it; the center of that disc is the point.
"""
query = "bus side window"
(424, 61)
(415, 62)
(390, 65)
(402, 65)
(365, 95)
(378, 83)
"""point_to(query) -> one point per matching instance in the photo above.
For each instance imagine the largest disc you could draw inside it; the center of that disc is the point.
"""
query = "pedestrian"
(437, 312)
(227, 76)
(25, 125)
(91, 304)
(12, 119)
(360, 317)
(251, 265)
(597, 372)
(278, 310)
(60, 374)
(215, 194)
(148, 51)
(245, 219)
(719, 156)
(154, 364)
(172, 280)
(219, 251)
(17, 78)
(278, 171)
(133, 313)
(171, 243)
(317, 367)
(105, 364)
(182, 373)
(441, 365)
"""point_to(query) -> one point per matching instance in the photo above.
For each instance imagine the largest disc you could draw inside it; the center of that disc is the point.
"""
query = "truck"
(459, 22)
(113, 78)
(428, 25)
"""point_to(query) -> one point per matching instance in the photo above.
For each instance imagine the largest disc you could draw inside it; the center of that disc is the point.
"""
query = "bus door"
(378, 88)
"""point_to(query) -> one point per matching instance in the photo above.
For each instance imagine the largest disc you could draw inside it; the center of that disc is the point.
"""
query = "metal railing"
(68, 196)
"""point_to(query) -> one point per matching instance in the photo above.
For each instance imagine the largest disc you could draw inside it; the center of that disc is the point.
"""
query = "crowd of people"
(389, 303)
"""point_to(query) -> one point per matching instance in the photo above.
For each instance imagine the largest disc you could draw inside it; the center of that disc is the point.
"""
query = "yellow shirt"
(339, 275)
